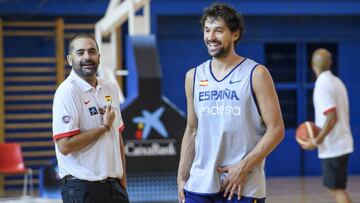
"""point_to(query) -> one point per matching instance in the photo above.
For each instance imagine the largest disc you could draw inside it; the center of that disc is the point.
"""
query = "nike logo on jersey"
(86, 102)
(236, 81)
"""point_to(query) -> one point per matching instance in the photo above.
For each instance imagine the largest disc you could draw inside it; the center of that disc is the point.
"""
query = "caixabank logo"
(153, 136)
(142, 146)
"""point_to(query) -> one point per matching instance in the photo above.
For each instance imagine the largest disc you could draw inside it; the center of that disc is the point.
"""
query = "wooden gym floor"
(279, 190)
(306, 190)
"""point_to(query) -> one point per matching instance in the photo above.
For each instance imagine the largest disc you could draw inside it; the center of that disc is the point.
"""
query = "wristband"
(106, 126)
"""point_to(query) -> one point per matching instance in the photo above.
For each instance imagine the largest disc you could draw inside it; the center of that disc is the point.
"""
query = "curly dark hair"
(233, 19)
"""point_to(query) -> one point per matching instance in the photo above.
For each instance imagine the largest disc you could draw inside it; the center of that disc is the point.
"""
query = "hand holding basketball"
(306, 133)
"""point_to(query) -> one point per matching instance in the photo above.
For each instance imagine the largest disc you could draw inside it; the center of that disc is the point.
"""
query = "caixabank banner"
(153, 136)
(153, 125)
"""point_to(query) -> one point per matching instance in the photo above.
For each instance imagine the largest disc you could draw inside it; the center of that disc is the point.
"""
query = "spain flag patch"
(108, 98)
(204, 83)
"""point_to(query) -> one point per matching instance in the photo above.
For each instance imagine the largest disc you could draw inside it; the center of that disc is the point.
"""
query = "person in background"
(334, 142)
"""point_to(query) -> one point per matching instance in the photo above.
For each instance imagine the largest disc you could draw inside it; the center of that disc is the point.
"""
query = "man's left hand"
(235, 180)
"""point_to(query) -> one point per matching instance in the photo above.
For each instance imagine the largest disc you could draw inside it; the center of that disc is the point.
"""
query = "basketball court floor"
(306, 190)
(279, 190)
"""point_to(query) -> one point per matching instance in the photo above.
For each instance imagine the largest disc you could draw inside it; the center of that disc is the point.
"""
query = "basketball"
(305, 131)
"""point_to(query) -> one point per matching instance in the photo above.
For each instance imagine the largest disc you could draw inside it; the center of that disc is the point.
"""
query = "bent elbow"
(63, 149)
(65, 152)
(280, 133)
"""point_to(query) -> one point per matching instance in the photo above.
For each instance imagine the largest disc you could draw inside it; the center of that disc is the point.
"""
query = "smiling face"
(218, 38)
(84, 57)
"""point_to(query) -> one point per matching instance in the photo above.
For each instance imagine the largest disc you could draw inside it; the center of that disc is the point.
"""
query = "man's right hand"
(181, 195)
(109, 116)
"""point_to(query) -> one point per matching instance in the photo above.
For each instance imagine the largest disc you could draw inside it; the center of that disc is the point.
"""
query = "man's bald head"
(321, 60)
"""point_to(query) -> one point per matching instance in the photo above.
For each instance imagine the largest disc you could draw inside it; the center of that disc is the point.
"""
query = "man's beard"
(220, 53)
(87, 72)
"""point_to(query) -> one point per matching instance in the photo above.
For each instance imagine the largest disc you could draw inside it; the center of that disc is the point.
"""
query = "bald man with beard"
(334, 141)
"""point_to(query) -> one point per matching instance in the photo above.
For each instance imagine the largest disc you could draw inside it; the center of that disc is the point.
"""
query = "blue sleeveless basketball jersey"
(229, 127)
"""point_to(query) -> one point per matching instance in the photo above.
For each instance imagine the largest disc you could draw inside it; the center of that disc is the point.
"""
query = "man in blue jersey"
(234, 119)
